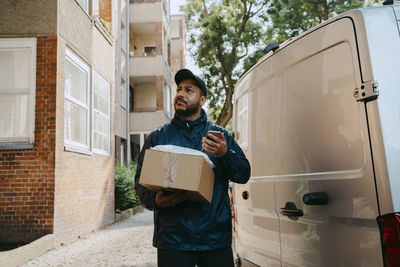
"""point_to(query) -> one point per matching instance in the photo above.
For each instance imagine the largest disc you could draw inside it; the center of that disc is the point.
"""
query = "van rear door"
(323, 152)
(256, 219)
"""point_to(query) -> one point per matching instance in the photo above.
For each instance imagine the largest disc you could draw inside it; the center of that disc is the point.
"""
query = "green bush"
(125, 194)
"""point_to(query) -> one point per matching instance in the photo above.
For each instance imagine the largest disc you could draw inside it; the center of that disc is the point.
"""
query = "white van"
(319, 120)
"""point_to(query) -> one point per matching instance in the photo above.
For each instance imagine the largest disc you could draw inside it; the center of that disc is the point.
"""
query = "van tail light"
(389, 226)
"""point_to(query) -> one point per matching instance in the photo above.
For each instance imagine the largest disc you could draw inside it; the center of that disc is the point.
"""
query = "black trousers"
(208, 258)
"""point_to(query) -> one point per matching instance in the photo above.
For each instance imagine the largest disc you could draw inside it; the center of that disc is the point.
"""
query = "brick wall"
(105, 10)
(84, 190)
(27, 176)
(159, 36)
(159, 92)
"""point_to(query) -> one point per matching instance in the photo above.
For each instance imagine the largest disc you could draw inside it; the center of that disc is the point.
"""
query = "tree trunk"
(227, 109)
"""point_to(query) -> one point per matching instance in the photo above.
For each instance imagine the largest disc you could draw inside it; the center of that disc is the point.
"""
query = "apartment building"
(151, 73)
(178, 45)
(122, 137)
(63, 109)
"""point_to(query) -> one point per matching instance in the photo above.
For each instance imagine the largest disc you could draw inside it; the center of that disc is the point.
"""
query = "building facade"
(63, 83)
(122, 137)
(151, 73)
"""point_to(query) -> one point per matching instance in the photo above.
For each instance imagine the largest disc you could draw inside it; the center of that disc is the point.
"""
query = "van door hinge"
(366, 91)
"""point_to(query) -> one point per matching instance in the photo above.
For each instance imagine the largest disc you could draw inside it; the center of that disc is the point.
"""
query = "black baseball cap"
(185, 74)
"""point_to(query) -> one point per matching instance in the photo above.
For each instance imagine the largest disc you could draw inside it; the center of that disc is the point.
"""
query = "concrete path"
(127, 243)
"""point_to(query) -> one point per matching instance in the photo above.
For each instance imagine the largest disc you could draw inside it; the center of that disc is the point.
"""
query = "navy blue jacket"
(191, 225)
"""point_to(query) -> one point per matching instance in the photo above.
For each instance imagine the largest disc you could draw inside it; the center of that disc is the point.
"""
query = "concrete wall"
(145, 97)
(146, 66)
(147, 121)
(120, 73)
(27, 17)
(84, 187)
(148, 12)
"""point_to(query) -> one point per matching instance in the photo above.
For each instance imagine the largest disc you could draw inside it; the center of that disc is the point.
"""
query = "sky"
(174, 8)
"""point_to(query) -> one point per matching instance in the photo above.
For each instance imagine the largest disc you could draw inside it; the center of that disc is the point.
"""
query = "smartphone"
(216, 133)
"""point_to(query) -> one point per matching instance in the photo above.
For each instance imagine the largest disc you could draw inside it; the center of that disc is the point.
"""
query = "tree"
(290, 18)
(221, 33)
(227, 37)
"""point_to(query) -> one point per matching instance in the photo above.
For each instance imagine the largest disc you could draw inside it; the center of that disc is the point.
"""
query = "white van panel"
(384, 44)
(256, 217)
(308, 134)
(323, 146)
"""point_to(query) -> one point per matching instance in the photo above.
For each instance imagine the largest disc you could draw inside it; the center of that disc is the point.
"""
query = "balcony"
(143, 68)
(146, 66)
(146, 12)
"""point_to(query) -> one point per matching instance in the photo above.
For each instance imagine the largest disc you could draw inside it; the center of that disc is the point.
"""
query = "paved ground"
(127, 243)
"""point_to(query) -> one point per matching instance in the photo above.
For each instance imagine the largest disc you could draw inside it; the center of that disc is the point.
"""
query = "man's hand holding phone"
(215, 144)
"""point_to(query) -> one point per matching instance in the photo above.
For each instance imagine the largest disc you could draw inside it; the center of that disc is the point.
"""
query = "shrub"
(125, 194)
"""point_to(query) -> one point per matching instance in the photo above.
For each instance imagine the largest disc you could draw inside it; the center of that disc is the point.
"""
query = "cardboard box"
(178, 171)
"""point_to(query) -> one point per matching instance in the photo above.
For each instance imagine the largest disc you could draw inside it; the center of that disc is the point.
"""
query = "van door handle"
(316, 198)
(291, 210)
(245, 195)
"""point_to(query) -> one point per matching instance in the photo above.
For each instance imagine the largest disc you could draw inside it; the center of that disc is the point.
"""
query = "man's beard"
(189, 111)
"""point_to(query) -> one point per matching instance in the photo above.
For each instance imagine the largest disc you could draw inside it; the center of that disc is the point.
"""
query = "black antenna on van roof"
(270, 46)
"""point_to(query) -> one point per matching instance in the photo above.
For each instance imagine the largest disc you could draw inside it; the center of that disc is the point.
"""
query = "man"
(187, 233)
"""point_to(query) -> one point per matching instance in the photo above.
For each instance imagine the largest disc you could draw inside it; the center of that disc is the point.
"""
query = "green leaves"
(220, 35)
(226, 37)
(125, 194)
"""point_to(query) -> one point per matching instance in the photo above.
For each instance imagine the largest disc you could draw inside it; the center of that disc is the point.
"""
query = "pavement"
(126, 243)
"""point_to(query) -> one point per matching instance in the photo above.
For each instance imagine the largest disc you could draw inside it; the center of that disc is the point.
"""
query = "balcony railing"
(143, 1)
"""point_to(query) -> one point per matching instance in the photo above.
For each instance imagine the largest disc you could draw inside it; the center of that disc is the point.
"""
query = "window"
(243, 121)
(84, 4)
(123, 93)
(76, 105)
(17, 90)
(175, 29)
(137, 142)
(167, 99)
(131, 100)
(149, 50)
(101, 114)
(123, 37)
(122, 153)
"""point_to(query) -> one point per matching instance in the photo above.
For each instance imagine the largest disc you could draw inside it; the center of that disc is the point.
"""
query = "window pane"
(84, 4)
(101, 94)
(75, 81)
(14, 69)
(123, 93)
(101, 113)
(175, 29)
(14, 120)
(75, 123)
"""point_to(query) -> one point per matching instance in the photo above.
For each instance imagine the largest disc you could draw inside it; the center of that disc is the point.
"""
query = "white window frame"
(12, 44)
(123, 37)
(69, 144)
(96, 150)
(87, 5)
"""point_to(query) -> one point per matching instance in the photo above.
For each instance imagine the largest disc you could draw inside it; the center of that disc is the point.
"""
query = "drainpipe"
(128, 135)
